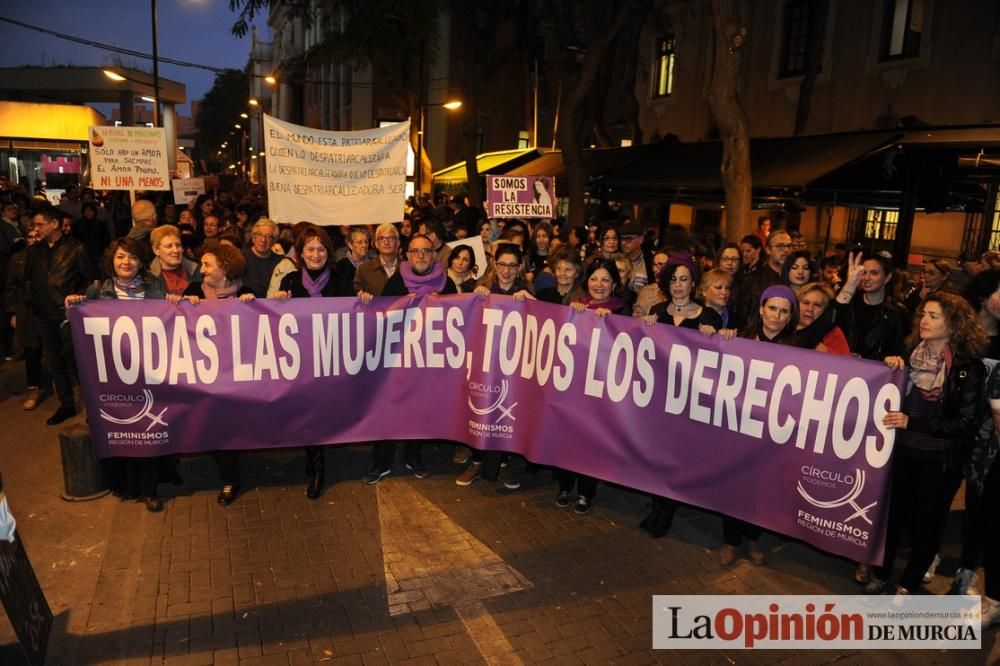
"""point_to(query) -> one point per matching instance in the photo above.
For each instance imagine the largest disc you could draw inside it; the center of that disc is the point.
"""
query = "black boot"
(315, 487)
(315, 468)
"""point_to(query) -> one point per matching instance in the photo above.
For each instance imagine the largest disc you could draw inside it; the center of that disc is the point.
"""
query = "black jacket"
(54, 273)
(883, 338)
(963, 407)
(293, 283)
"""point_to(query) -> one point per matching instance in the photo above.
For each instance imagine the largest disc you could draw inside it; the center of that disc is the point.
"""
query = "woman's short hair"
(568, 255)
(710, 278)
(821, 287)
(387, 229)
(308, 234)
(264, 222)
(607, 264)
(230, 260)
(157, 235)
(134, 247)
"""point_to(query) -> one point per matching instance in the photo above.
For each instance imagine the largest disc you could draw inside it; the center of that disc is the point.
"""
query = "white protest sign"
(129, 158)
(476, 244)
(335, 178)
(187, 190)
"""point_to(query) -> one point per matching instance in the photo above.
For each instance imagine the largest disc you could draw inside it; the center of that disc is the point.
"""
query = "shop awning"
(780, 166)
(595, 161)
(495, 163)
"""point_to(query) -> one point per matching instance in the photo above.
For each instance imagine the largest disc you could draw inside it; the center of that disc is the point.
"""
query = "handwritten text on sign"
(129, 158)
(335, 177)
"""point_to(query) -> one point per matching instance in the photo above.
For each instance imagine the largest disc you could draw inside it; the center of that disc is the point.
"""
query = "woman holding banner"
(777, 322)
(938, 422)
(503, 278)
(222, 269)
(314, 279)
(677, 281)
(567, 269)
(600, 281)
(123, 261)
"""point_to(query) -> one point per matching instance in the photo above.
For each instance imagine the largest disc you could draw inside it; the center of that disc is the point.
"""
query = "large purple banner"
(784, 438)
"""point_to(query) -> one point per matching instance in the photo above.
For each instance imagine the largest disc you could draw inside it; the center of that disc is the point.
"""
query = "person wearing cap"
(631, 237)
(776, 322)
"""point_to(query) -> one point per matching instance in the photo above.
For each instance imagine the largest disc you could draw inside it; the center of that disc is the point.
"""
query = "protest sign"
(475, 243)
(187, 190)
(520, 196)
(788, 439)
(335, 178)
(129, 158)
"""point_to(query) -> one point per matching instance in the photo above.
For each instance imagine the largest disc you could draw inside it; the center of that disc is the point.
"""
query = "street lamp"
(451, 105)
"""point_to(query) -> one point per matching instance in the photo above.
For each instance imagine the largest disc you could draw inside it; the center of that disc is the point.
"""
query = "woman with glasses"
(314, 279)
(503, 279)
(608, 242)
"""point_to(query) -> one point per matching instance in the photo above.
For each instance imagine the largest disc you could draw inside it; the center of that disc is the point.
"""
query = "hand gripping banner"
(785, 438)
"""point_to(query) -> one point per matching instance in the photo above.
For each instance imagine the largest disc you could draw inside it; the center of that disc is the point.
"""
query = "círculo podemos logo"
(839, 511)
(137, 420)
(492, 416)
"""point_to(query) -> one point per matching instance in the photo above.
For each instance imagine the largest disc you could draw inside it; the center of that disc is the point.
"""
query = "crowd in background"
(940, 325)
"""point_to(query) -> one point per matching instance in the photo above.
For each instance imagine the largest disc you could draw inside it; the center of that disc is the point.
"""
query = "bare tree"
(729, 18)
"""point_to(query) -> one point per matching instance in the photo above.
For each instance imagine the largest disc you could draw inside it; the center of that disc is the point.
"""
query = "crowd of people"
(767, 287)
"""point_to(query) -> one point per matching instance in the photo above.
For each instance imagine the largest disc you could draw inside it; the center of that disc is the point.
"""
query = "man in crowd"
(778, 248)
(631, 237)
(371, 276)
(56, 267)
(434, 230)
(260, 259)
(11, 241)
(750, 248)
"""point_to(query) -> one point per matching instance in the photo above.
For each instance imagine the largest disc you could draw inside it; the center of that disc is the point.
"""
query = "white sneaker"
(931, 570)
(966, 582)
(989, 613)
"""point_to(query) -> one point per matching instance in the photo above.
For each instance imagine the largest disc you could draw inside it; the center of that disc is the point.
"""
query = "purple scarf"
(431, 282)
(315, 287)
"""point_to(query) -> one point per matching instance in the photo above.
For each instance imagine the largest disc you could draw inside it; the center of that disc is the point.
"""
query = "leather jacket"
(963, 408)
(884, 337)
(53, 273)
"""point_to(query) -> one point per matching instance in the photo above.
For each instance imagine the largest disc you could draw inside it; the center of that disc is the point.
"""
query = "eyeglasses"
(421, 252)
(505, 264)
(385, 239)
(782, 246)
(728, 260)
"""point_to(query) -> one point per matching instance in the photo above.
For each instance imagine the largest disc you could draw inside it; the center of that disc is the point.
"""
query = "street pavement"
(408, 571)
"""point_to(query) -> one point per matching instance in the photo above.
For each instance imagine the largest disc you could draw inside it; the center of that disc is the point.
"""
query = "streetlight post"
(419, 167)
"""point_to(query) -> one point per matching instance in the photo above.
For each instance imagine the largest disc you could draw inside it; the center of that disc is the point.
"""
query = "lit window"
(522, 139)
(995, 229)
(881, 224)
(902, 28)
(665, 61)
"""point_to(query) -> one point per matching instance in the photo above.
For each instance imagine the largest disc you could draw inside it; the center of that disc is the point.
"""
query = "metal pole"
(420, 151)
(534, 128)
(156, 72)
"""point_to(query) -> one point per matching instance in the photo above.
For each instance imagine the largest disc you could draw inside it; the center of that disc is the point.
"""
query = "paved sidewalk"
(406, 572)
